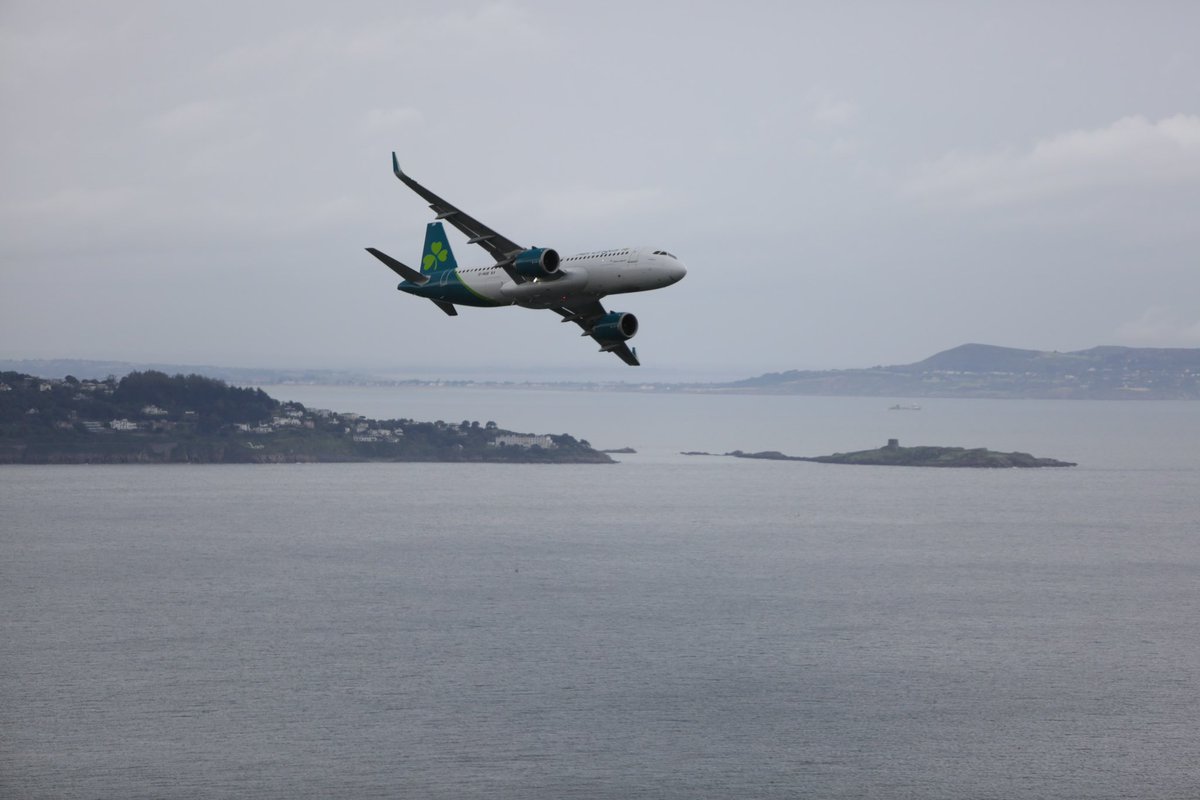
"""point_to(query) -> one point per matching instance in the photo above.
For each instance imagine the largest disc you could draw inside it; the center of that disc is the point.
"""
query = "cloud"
(599, 205)
(492, 30)
(843, 147)
(835, 113)
(1131, 152)
(60, 48)
(568, 212)
(197, 116)
(76, 203)
(1160, 327)
(390, 120)
(285, 49)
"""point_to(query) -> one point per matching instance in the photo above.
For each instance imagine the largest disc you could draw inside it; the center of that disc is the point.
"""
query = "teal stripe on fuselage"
(448, 286)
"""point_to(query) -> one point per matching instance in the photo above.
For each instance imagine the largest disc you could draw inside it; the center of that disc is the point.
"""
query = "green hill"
(154, 418)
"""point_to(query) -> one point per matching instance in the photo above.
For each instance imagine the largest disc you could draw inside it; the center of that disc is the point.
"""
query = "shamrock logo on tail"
(437, 253)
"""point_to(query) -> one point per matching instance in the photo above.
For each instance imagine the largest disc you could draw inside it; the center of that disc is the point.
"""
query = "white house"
(518, 440)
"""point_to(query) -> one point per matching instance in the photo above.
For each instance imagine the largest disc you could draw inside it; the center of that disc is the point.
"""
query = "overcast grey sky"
(849, 183)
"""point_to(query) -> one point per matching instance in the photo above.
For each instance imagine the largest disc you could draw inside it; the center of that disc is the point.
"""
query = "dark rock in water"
(621, 451)
(893, 455)
(766, 455)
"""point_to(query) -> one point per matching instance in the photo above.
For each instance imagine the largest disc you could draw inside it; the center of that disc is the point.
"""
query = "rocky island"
(150, 417)
(893, 455)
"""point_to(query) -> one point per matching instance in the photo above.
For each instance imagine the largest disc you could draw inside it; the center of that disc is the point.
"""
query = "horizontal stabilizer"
(408, 273)
(447, 307)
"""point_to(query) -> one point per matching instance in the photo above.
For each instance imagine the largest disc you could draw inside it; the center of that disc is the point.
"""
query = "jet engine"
(537, 262)
(615, 327)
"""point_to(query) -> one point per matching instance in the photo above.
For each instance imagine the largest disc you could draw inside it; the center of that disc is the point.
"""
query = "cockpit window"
(664, 253)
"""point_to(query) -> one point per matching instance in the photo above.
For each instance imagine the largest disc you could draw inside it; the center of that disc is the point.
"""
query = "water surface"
(668, 627)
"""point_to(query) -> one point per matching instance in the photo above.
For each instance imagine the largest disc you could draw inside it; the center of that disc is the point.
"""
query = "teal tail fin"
(436, 256)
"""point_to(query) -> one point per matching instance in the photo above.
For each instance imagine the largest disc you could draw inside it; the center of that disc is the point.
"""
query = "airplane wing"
(500, 248)
(585, 316)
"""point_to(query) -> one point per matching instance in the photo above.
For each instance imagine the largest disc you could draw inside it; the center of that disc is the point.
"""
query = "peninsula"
(893, 455)
(150, 417)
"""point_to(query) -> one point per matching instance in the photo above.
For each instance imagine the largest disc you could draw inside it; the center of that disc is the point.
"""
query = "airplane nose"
(676, 271)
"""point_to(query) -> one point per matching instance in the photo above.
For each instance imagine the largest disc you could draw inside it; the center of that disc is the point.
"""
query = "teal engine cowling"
(537, 262)
(615, 327)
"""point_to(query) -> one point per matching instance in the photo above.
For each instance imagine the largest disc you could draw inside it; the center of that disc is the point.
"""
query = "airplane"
(533, 277)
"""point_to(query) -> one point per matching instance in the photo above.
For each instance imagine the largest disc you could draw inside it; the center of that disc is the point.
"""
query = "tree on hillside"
(214, 401)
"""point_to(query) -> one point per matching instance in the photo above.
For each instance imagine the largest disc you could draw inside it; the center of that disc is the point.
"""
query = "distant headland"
(151, 417)
(893, 455)
(966, 371)
(981, 370)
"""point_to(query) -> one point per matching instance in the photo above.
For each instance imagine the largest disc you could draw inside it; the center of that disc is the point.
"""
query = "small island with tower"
(893, 455)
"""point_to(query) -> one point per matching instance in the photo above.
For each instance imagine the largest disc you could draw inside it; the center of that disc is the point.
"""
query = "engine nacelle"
(615, 327)
(537, 262)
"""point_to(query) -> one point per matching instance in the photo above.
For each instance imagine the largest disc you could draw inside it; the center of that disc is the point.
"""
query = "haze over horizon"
(849, 184)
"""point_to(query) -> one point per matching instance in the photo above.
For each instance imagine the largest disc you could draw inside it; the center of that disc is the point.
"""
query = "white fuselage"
(584, 277)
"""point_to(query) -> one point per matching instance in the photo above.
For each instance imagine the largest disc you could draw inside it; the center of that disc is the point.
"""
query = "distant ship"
(907, 407)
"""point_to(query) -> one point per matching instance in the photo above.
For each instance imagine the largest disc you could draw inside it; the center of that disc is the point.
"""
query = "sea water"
(1126, 434)
(670, 626)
